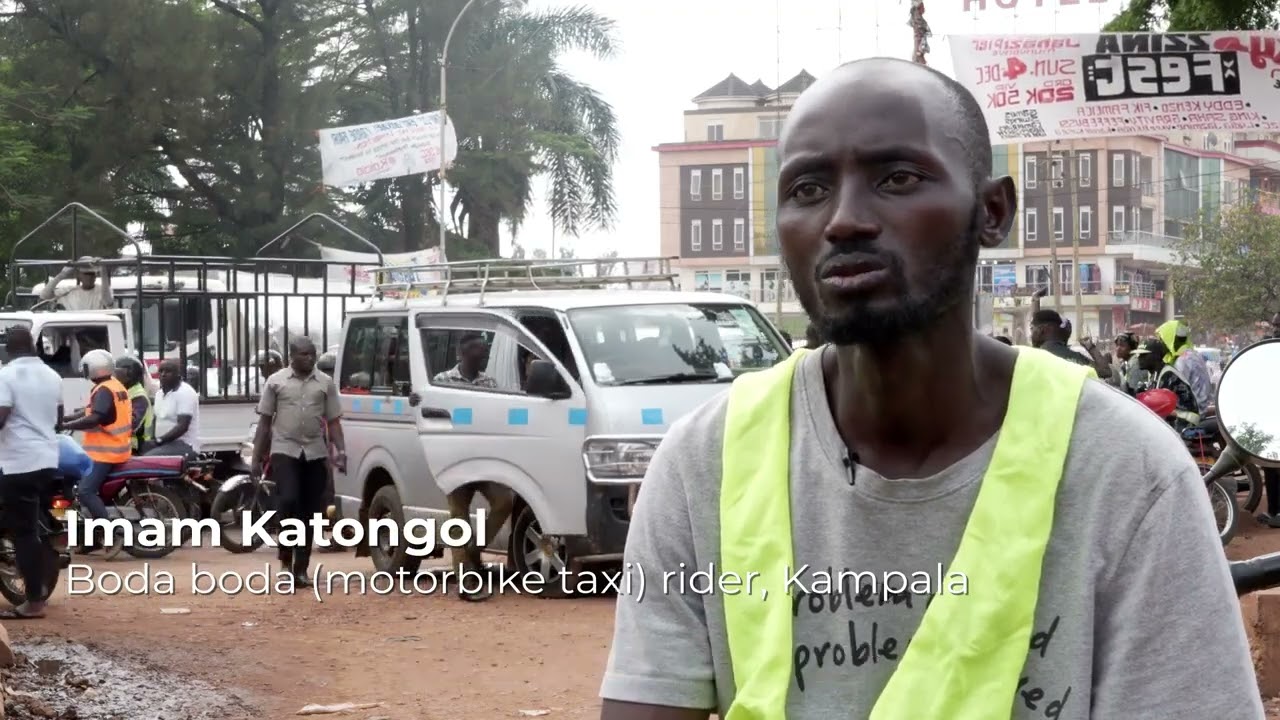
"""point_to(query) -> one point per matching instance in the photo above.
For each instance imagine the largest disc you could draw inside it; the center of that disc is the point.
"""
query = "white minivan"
(580, 386)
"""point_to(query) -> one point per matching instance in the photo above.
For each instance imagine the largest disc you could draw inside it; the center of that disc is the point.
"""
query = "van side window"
(62, 346)
(375, 357)
(477, 360)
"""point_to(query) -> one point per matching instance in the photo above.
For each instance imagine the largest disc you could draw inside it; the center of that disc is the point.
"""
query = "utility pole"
(444, 120)
(1075, 235)
(1053, 237)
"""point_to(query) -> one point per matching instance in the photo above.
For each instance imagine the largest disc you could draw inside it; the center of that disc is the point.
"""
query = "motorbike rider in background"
(108, 428)
(1126, 374)
(1176, 336)
(131, 373)
(1152, 358)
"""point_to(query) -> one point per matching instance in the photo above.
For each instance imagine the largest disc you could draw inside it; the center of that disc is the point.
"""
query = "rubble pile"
(63, 680)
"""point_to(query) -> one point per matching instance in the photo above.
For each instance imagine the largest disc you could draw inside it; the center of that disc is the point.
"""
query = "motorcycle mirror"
(1249, 403)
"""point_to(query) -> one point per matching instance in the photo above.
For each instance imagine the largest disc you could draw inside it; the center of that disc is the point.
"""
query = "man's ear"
(999, 197)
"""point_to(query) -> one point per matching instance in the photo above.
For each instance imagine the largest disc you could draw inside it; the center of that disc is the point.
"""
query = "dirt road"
(422, 656)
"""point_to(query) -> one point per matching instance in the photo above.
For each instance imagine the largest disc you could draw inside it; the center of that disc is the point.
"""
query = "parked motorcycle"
(1249, 419)
(198, 486)
(240, 493)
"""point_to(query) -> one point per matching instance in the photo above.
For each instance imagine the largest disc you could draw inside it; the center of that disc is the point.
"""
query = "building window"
(1056, 170)
(715, 132)
(1066, 278)
(1135, 222)
(997, 278)
(1031, 173)
(739, 183)
(695, 236)
(1059, 223)
(1086, 170)
(1117, 219)
(1117, 170)
(770, 127)
(1086, 222)
(717, 234)
(1037, 276)
(1090, 279)
(1146, 169)
(717, 184)
(1031, 225)
(739, 234)
(738, 282)
(695, 184)
(707, 281)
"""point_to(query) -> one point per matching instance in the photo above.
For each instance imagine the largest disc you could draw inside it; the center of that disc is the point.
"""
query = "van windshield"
(661, 344)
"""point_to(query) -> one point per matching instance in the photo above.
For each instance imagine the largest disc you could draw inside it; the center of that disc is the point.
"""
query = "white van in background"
(582, 384)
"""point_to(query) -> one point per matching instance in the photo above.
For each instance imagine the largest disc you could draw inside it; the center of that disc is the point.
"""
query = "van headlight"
(611, 460)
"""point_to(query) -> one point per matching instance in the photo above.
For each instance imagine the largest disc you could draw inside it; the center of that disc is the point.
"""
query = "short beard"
(859, 324)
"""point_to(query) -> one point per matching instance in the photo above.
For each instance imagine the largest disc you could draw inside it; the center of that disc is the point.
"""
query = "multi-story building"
(1104, 214)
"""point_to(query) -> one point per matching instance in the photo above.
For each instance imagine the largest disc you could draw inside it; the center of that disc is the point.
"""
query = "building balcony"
(1144, 246)
(1092, 294)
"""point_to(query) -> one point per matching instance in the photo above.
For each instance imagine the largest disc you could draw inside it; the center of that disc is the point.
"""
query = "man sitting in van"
(473, 357)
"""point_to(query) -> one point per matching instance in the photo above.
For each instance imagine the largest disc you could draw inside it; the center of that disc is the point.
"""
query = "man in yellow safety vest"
(916, 522)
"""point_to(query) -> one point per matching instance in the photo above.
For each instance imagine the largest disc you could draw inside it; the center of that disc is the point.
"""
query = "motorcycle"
(1249, 420)
(240, 493)
(1221, 490)
(198, 486)
(1205, 443)
(53, 547)
(134, 490)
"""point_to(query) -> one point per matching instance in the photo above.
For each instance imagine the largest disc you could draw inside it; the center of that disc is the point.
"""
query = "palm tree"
(520, 116)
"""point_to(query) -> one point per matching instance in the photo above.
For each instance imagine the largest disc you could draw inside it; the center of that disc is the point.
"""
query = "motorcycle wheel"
(12, 586)
(154, 502)
(1252, 477)
(235, 502)
(1224, 511)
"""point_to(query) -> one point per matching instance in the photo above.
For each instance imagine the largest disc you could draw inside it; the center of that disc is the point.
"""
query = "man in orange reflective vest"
(107, 424)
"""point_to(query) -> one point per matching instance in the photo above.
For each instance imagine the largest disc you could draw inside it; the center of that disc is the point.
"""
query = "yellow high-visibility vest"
(968, 653)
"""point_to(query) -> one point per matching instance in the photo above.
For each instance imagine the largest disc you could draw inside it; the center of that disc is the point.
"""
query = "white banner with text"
(1050, 87)
(357, 154)
(363, 266)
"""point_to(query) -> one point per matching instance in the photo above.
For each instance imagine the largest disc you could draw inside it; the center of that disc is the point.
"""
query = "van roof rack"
(498, 274)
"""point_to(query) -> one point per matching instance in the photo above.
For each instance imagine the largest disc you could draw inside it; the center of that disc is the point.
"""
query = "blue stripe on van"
(462, 416)
(398, 406)
(577, 416)
(651, 416)
(355, 405)
(518, 416)
(377, 406)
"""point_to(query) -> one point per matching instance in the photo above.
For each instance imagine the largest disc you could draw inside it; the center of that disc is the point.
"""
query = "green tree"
(1254, 440)
(1141, 15)
(517, 114)
(1229, 269)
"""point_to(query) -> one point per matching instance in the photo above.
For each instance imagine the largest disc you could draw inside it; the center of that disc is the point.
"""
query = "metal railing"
(500, 274)
(1141, 237)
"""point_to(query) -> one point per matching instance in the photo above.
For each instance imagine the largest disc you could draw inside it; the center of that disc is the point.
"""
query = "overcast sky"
(668, 56)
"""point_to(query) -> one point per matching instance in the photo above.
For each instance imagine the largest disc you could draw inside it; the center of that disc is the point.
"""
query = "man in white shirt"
(30, 408)
(177, 412)
(86, 294)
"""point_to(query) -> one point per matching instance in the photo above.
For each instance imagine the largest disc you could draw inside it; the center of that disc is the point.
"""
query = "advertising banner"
(364, 266)
(357, 154)
(1014, 5)
(1050, 87)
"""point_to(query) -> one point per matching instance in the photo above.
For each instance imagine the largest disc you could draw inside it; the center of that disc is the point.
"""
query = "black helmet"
(326, 362)
(131, 368)
(269, 356)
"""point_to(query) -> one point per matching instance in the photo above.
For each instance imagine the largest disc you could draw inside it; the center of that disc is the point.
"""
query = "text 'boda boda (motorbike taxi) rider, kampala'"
(1084, 576)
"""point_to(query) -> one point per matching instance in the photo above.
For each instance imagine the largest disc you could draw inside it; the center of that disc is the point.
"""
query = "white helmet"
(97, 364)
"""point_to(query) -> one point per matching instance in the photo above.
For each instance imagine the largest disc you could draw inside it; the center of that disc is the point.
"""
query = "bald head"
(945, 105)
(170, 374)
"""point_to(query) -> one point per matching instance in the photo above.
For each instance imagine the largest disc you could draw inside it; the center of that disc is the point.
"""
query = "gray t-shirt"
(1136, 618)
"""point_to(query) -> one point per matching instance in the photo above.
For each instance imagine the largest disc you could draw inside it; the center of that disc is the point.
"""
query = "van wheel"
(535, 553)
(386, 504)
